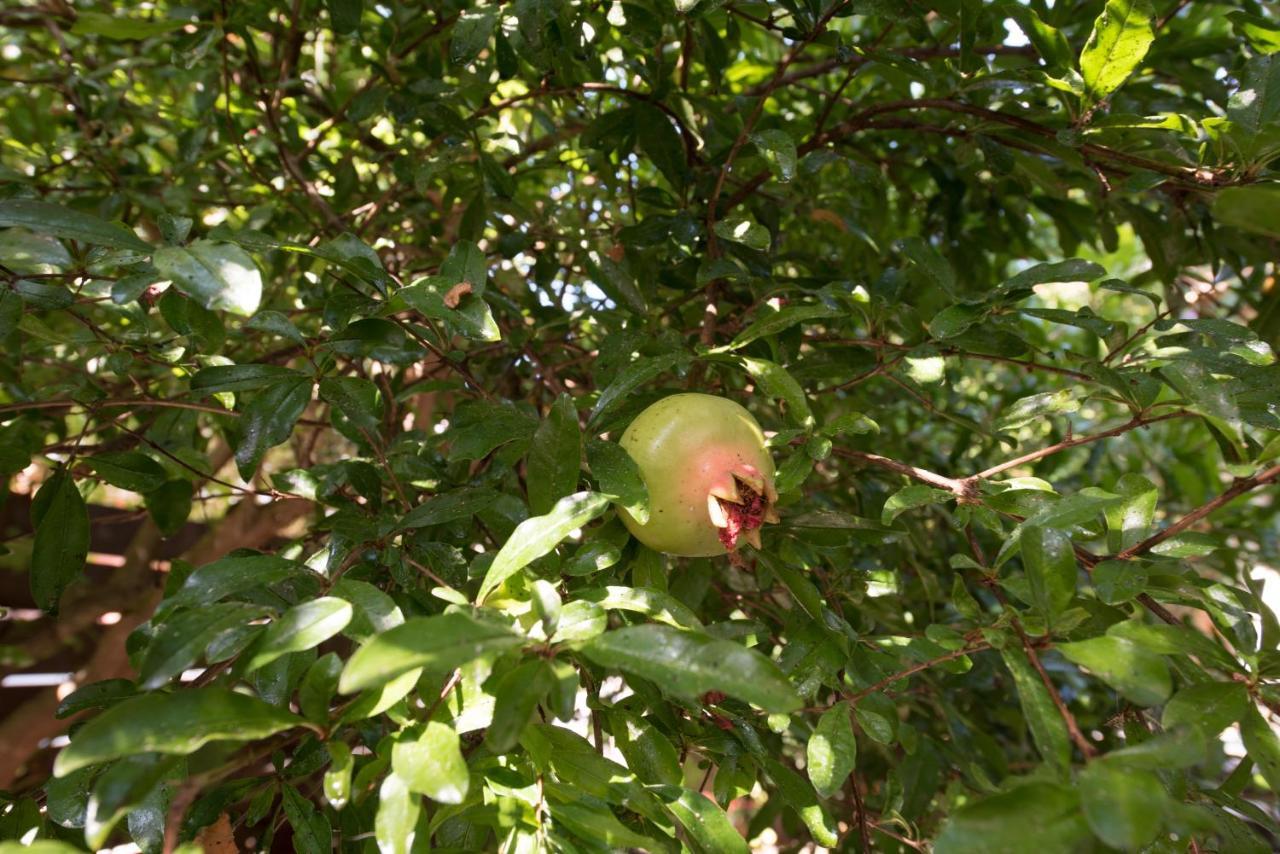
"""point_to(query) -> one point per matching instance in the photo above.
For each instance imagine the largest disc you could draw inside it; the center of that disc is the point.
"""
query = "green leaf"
(268, 421)
(442, 298)
(123, 28)
(774, 381)
(632, 377)
(1255, 106)
(851, 422)
(537, 536)
(170, 505)
(779, 151)
(1002, 824)
(1254, 209)
(228, 577)
(595, 824)
(10, 312)
(180, 641)
(129, 470)
(703, 820)
(1116, 47)
(95, 695)
(688, 665)
(220, 378)
(516, 694)
(773, 322)
(878, 718)
(1064, 513)
(832, 751)
(555, 457)
(618, 477)
(59, 221)
(644, 600)
(1166, 751)
(396, 821)
(1050, 563)
(312, 833)
(67, 798)
(1210, 707)
(1118, 581)
(178, 723)
(909, 498)
(373, 610)
(1048, 730)
(61, 541)
(1173, 640)
(345, 15)
(580, 621)
(649, 753)
(318, 687)
(1036, 406)
(1263, 34)
(357, 398)
(122, 787)
(471, 34)
(1070, 270)
(450, 507)
(1263, 746)
(955, 319)
(1124, 807)
(660, 142)
(740, 229)
(1049, 42)
(1129, 521)
(432, 764)
(302, 627)
(337, 777)
(219, 276)
(576, 762)
(439, 643)
(1136, 673)
(800, 796)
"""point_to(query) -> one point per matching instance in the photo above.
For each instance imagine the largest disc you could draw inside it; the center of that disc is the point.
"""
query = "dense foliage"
(370, 290)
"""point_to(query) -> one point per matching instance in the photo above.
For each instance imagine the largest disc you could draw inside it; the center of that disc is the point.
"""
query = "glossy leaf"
(534, 537)
(1119, 42)
(832, 751)
(688, 665)
(438, 643)
(555, 457)
(1139, 675)
(177, 723)
(61, 520)
(303, 626)
(64, 222)
(219, 276)
(432, 764)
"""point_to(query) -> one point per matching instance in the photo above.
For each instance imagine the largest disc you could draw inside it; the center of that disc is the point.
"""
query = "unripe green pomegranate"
(709, 475)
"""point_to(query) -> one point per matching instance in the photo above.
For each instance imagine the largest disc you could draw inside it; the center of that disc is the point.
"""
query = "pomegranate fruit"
(709, 475)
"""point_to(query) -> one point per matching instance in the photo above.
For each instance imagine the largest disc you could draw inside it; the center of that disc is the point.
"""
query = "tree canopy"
(338, 309)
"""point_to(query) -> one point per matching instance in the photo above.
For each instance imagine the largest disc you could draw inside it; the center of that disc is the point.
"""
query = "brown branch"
(863, 830)
(1134, 423)
(1238, 488)
(914, 669)
(1073, 728)
(959, 488)
(820, 68)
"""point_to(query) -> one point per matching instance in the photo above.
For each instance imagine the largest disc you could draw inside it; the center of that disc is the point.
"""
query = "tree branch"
(1238, 488)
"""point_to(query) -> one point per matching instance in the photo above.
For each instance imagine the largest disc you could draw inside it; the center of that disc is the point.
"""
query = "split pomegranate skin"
(708, 472)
